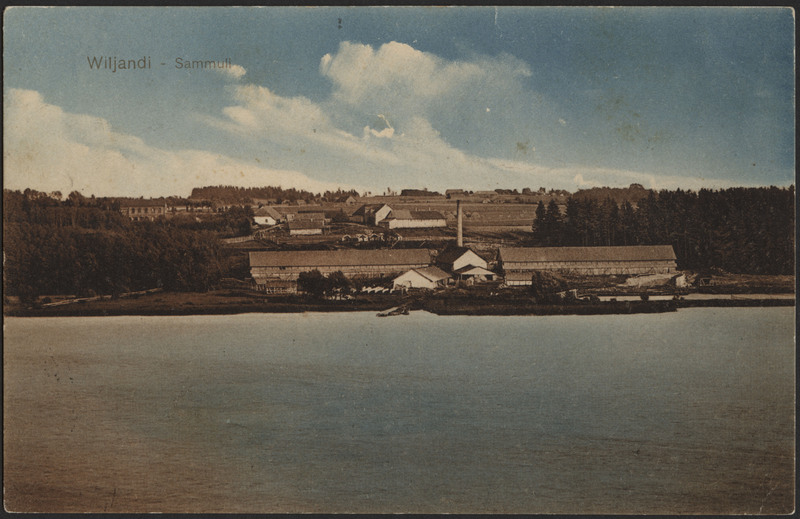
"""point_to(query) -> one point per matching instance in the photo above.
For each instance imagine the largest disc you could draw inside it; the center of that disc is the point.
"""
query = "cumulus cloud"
(232, 72)
(399, 79)
(359, 72)
(388, 122)
(261, 110)
(48, 149)
(419, 155)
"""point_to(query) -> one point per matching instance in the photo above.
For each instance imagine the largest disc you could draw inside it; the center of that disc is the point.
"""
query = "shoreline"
(182, 304)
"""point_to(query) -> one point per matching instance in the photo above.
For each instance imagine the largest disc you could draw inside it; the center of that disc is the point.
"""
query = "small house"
(425, 277)
(266, 216)
(454, 258)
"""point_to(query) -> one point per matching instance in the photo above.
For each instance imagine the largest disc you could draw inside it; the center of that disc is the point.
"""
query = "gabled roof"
(267, 211)
(553, 254)
(432, 273)
(310, 215)
(451, 254)
(344, 258)
(404, 214)
(305, 224)
(367, 209)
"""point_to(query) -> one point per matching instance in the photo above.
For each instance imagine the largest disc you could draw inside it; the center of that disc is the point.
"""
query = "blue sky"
(377, 98)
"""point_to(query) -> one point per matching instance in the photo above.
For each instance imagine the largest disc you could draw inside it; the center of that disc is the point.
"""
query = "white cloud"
(582, 177)
(48, 149)
(358, 71)
(417, 156)
(233, 72)
(405, 82)
(262, 111)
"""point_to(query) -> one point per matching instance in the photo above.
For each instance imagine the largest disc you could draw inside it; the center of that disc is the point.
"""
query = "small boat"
(398, 310)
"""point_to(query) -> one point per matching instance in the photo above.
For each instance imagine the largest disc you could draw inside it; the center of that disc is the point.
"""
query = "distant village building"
(139, 210)
(266, 216)
(454, 258)
(371, 214)
(425, 277)
(300, 227)
(520, 262)
(465, 264)
(382, 262)
(450, 193)
(404, 219)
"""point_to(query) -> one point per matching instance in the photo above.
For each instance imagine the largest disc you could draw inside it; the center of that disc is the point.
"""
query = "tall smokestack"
(460, 241)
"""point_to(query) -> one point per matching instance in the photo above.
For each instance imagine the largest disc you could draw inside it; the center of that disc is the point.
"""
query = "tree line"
(79, 246)
(246, 195)
(738, 230)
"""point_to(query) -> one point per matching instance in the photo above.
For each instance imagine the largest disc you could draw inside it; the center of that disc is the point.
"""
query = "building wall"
(264, 220)
(295, 232)
(596, 268)
(269, 288)
(519, 283)
(407, 224)
(381, 214)
(144, 212)
(292, 272)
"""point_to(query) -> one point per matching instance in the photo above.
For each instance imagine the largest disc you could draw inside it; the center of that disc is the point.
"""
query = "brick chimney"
(460, 240)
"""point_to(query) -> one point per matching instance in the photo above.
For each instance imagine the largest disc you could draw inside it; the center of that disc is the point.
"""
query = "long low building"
(592, 261)
(289, 264)
(404, 219)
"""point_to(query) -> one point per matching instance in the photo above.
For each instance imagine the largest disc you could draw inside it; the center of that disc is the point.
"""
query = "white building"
(456, 258)
(404, 219)
(266, 216)
(425, 277)
(371, 214)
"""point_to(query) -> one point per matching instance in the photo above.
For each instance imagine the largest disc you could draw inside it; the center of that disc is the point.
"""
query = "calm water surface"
(687, 412)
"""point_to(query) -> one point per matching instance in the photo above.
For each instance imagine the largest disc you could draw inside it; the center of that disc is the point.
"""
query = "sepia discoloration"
(399, 260)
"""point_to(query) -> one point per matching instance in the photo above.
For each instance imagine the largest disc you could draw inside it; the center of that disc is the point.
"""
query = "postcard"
(531, 260)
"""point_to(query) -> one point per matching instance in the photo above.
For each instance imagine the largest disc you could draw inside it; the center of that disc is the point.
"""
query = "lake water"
(685, 412)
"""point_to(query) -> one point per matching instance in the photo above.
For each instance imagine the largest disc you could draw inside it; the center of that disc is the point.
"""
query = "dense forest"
(740, 230)
(82, 246)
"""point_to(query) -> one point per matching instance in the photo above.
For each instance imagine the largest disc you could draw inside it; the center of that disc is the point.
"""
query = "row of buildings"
(383, 215)
(275, 271)
(305, 221)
